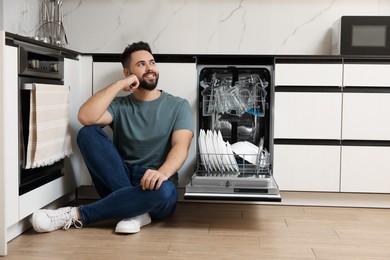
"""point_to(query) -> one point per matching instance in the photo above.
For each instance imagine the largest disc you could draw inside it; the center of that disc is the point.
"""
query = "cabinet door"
(307, 167)
(308, 74)
(365, 169)
(367, 75)
(11, 133)
(307, 115)
(79, 93)
(366, 116)
(106, 73)
(103, 75)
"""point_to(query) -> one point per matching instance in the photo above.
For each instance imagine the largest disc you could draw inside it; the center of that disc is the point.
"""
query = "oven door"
(30, 179)
(234, 145)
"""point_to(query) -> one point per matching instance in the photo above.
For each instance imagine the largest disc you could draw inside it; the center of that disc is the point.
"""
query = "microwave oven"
(361, 35)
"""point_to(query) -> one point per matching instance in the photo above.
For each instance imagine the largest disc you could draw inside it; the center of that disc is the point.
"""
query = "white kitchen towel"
(49, 131)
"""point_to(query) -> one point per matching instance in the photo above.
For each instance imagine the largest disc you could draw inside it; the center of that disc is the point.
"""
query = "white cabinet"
(366, 116)
(307, 167)
(75, 72)
(10, 116)
(17, 208)
(367, 75)
(9, 163)
(307, 115)
(67, 184)
(307, 107)
(178, 79)
(365, 169)
(365, 166)
(3, 242)
(104, 74)
(357, 117)
(308, 74)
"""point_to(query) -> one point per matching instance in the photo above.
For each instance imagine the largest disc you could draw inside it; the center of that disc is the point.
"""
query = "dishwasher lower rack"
(249, 183)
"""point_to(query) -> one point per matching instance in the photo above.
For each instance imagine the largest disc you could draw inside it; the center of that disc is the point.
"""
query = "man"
(136, 173)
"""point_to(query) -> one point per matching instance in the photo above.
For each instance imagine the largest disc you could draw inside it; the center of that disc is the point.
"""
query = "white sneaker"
(46, 220)
(133, 225)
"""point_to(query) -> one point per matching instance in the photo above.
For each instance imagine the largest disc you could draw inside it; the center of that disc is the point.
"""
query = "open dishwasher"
(234, 161)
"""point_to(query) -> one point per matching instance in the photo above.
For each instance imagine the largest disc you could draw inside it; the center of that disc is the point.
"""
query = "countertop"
(211, 58)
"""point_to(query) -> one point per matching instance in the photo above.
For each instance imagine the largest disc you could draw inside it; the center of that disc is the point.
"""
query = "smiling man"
(135, 174)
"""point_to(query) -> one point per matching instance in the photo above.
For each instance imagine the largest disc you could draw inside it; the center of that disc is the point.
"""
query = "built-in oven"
(234, 143)
(37, 65)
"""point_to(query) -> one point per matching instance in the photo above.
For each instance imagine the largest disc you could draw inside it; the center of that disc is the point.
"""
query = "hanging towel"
(49, 131)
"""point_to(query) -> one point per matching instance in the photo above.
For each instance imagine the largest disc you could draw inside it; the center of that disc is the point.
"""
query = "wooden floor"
(224, 231)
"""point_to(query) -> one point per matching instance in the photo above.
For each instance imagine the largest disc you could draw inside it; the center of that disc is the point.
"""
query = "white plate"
(246, 150)
(225, 156)
(215, 156)
(209, 162)
(231, 156)
(202, 148)
(210, 151)
(218, 152)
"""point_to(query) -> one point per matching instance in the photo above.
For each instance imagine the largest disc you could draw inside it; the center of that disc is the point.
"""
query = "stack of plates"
(216, 154)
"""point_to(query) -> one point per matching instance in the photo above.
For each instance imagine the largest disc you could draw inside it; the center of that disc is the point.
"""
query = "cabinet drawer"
(367, 75)
(307, 167)
(308, 74)
(307, 115)
(366, 116)
(365, 169)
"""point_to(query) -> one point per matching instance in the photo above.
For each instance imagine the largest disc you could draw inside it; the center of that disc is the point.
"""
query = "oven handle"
(28, 86)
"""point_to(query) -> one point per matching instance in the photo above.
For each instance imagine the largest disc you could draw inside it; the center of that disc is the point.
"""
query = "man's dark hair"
(136, 46)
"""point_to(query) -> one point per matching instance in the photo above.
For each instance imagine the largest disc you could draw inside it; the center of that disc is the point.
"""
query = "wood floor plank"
(361, 252)
(241, 251)
(224, 231)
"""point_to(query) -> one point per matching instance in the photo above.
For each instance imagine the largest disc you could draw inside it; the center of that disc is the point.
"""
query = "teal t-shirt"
(142, 130)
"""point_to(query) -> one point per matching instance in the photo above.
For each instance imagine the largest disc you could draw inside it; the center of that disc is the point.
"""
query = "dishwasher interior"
(234, 160)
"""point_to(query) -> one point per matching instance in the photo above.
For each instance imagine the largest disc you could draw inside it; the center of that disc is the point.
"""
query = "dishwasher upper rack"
(233, 165)
(247, 95)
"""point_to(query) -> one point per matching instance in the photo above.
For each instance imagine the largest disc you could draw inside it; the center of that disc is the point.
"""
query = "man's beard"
(148, 86)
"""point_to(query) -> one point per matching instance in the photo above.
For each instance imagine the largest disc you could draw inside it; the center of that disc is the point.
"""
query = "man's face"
(143, 66)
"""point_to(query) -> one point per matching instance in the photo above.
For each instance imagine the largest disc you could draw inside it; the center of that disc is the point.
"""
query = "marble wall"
(20, 16)
(211, 26)
(196, 26)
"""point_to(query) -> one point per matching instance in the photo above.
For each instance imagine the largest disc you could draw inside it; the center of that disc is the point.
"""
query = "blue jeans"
(118, 184)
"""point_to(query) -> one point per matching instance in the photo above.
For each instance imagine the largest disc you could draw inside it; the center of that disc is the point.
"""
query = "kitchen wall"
(195, 26)
(1, 17)
(211, 26)
(20, 16)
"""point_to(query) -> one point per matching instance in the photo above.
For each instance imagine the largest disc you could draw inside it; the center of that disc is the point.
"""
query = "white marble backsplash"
(21, 16)
(197, 26)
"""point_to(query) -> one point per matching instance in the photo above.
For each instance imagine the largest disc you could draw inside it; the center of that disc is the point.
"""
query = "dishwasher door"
(234, 160)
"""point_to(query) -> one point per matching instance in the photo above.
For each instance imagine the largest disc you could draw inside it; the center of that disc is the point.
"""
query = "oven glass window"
(369, 36)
